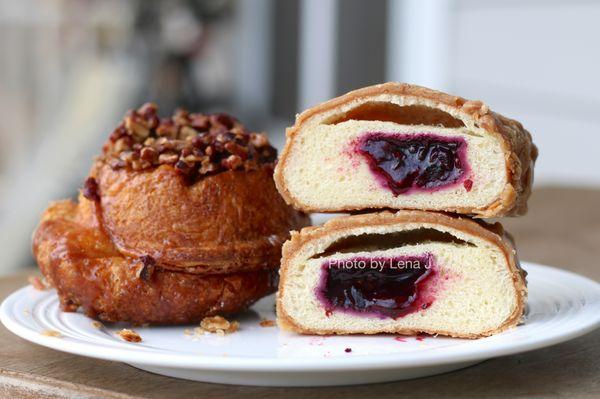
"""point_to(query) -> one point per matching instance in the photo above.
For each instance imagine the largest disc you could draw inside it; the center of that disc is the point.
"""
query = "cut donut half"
(408, 272)
(402, 146)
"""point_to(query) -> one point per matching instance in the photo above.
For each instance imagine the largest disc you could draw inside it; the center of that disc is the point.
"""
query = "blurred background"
(69, 69)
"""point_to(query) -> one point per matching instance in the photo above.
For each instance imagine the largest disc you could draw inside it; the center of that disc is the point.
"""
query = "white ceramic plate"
(561, 306)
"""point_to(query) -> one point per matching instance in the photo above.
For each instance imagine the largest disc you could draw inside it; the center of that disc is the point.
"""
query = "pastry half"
(408, 272)
(402, 146)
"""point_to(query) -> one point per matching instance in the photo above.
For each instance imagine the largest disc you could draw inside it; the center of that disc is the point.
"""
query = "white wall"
(532, 60)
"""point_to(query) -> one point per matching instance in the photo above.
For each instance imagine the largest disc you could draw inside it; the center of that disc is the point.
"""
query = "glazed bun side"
(473, 287)
(456, 155)
(179, 219)
(88, 271)
(231, 221)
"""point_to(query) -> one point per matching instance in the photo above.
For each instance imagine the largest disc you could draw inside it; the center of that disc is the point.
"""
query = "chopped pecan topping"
(167, 158)
(232, 162)
(267, 323)
(90, 189)
(219, 325)
(130, 335)
(259, 140)
(195, 144)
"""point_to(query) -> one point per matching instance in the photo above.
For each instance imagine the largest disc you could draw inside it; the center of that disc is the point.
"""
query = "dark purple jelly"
(385, 286)
(421, 162)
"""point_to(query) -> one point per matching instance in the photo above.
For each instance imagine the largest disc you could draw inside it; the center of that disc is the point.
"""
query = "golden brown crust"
(231, 221)
(494, 234)
(88, 271)
(520, 152)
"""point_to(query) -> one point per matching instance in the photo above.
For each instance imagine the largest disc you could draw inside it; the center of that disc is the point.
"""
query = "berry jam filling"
(417, 162)
(384, 286)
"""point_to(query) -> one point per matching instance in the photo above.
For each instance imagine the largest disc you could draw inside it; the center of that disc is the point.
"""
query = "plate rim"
(238, 363)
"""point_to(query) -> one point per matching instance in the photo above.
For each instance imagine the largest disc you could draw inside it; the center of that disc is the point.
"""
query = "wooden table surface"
(561, 229)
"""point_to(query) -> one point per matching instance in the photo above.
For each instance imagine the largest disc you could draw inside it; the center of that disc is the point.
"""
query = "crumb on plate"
(51, 333)
(267, 323)
(96, 324)
(38, 283)
(218, 325)
(129, 335)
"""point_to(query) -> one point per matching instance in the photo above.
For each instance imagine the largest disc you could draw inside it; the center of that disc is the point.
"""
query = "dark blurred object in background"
(186, 46)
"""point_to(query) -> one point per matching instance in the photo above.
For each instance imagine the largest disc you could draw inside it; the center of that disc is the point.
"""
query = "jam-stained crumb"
(218, 325)
(267, 323)
(51, 333)
(38, 283)
(90, 189)
(129, 335)
(195, 144)
(468, 184)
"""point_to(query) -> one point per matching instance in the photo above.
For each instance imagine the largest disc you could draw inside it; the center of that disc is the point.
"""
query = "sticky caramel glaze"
(87, 270)
(231, 221)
